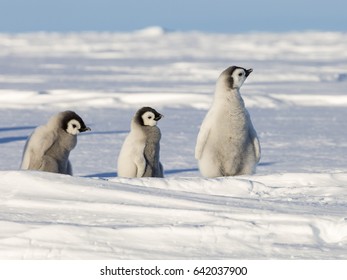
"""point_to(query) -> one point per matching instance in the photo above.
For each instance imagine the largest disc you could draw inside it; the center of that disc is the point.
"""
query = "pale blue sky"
(227, 16)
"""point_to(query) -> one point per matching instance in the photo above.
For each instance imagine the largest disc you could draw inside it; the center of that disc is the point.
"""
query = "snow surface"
(295, 206)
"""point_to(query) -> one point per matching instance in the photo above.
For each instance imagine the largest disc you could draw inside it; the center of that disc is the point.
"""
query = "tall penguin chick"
(48, 147)
(227, 143)
(139, 155)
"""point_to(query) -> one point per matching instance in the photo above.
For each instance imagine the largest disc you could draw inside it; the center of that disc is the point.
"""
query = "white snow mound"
(50, 216)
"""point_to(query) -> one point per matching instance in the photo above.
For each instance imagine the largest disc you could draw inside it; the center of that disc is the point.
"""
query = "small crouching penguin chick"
(227, 144)
(139, 155)
(49, 146)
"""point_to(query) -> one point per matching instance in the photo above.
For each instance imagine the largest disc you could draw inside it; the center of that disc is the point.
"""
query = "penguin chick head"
(235, 76)
(73, 123)
(147, 116)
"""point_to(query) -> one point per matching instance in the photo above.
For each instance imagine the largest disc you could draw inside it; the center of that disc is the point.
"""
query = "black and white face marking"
(73, 123)
(147, 116)
(73, 127)
(236, 76)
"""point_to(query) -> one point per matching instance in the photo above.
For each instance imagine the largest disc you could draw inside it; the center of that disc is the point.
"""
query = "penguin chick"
(49, 146)
(139, 155)
(227, 143)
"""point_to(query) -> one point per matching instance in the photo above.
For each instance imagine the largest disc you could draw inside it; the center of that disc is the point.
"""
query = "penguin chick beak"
(85, 129)
(158, 117)
(249, 71)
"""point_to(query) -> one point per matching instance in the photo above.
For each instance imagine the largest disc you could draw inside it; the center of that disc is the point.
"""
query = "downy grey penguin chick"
(49, 146)
(139, 155)
(227, 143)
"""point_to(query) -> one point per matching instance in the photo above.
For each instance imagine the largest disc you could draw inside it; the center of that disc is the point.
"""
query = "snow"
(294, 207)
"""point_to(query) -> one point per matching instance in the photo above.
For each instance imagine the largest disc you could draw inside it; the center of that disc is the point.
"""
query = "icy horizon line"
(160, 30)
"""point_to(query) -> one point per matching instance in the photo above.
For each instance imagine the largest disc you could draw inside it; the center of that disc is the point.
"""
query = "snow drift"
(49, 216)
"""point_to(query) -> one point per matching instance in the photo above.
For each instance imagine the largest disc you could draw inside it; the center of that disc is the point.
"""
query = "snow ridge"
(50, 216)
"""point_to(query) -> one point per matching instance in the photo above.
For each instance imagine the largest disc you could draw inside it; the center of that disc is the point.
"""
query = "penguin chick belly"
(226, 145)
(131, 161)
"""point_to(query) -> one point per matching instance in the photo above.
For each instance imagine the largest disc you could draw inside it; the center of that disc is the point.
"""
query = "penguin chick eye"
(74, 126)
(240, 74)
(149, 117)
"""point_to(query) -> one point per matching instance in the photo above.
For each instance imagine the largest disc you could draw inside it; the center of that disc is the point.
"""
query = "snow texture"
(294, 207)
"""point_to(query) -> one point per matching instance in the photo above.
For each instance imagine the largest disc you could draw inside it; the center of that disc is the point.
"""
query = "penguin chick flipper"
(257, 149)
(35, 148)
(204, 133)
(201, 142)
(254, 137)
(140, 163)
(161, 170)
(69, 168)
(40, 141)
(25, 156)
(49, 165)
